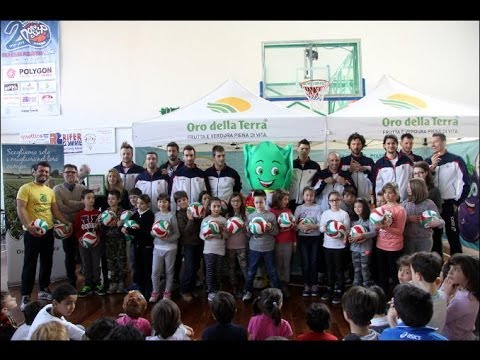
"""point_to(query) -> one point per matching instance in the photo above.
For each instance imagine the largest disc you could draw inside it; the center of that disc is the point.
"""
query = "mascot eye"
(275, 171)
(474, 190)
(259, 170)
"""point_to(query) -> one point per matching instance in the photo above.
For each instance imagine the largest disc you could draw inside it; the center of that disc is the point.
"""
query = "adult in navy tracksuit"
(152, 182)
(406, 144)
(332, 178)
(304, 169)
(393, 167)
(451, 177)
(127, 169)
(173, 162)
(223, 179)
(189, 178)
(359, 166)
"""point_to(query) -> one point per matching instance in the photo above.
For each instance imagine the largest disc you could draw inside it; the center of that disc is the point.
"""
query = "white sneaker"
(211, 296)
(25, 301)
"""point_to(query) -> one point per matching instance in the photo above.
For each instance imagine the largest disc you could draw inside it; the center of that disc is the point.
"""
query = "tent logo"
(404, 101)
(229, 105)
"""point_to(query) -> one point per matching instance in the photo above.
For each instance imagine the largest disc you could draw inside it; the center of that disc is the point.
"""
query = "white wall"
(113, 73)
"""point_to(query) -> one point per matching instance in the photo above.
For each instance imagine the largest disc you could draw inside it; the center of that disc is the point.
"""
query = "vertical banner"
(17, 161)
(30, 68)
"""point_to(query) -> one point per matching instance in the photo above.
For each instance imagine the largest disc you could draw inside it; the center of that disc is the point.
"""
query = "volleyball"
(161, 228)
(196, 209)
(89, 239)
(60, 230)
(285, 220)
(131, 224)
(257, 225)
(427, 216)
(126, 215)
(336, 229)
(210, 228)
(40, 225)
(307, 220)
(357, 230)
(108, 218)
(235, 224)
(377, 216)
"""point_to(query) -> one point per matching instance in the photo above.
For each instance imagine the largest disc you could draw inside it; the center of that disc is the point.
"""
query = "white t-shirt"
(45, 316)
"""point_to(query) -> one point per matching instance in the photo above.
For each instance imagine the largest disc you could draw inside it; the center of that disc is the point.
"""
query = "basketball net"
(315, 91)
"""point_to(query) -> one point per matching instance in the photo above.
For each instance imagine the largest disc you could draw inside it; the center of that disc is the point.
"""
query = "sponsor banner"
(87, 141)
(98, 141)
(30, 68)
(71, 141)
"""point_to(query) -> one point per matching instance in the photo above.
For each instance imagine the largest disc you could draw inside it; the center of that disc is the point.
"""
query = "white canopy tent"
(394, 108)
(229, 114)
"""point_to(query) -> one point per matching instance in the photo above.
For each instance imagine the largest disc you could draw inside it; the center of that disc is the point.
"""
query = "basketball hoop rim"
(311, 83)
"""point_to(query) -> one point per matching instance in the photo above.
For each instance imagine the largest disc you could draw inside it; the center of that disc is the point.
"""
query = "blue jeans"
(254, 258)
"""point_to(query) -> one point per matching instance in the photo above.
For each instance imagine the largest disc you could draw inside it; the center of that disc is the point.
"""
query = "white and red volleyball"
(108, 218)
(131, 224)
(307, 220)
(60, 230)
(89, 239)
(234, 225)
(285, 220)
(196, 209)
(126, 215)
(41, 226)
(427, 216)
(161, 228)
(210, 228)
(377, 216)
(357, 230)
(336, 229)
(257, 225)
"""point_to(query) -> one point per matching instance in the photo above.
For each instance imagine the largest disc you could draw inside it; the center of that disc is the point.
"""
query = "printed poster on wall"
(17, 161)
(30, 68)
(98, 141)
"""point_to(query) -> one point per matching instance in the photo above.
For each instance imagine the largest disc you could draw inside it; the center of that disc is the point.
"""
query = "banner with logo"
(17, 161)
(30, 68)
(86, 141)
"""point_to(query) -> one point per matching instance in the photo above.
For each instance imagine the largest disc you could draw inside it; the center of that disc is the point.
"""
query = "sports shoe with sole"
(166, 295)
(315, 290)
(327, 295)
(86, 290)
(337, 297)
(154, 297)
(211, 296)
(45, 294)
(306, 291)
(99, 290)
(25, 301)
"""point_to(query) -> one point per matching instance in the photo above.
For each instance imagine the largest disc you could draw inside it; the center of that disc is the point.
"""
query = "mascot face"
(268, 166)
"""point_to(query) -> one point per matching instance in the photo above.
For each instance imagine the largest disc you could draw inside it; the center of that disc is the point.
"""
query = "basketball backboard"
(286, 64)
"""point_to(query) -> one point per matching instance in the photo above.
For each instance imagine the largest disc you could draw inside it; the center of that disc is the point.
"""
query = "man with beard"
(152, 181)
(359, 166)
(127, 169)
(393, 167)
(35, 200)
(189, 178)
(173, 162)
